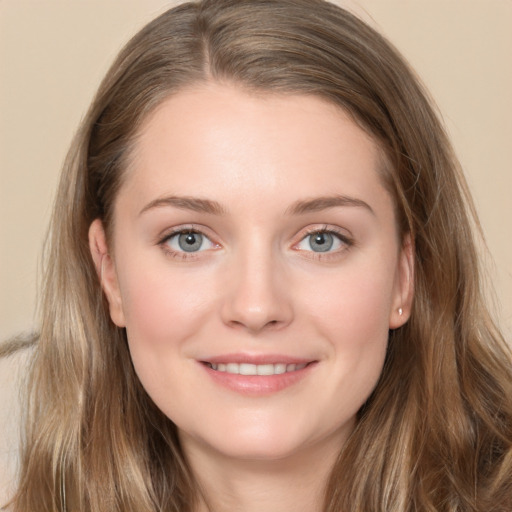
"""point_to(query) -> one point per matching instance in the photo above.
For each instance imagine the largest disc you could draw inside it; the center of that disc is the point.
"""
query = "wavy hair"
(435, 435)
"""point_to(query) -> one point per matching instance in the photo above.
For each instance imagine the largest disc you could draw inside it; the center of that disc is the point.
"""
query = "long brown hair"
(436, 434)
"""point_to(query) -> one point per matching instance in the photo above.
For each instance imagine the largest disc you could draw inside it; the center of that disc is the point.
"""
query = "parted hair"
(436, 433)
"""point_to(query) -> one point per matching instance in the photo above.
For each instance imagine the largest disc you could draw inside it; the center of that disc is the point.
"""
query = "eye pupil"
(190, 242)
(320, 238)
(321, 242)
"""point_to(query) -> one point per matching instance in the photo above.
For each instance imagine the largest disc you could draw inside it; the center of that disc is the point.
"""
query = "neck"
(296, 483)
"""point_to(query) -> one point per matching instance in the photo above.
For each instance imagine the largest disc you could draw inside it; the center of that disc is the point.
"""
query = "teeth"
(247, 369)
(266, 369)
(256, 369)
(232, 368)
(279, 368)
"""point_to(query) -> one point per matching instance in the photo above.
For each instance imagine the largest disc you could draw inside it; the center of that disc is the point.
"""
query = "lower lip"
(258, 385)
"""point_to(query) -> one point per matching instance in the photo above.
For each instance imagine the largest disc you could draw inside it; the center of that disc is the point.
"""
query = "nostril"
(255, 326)
(256, 311)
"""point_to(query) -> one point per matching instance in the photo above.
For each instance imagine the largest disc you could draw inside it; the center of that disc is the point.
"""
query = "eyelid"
(163, 239)
(183, 228)
(346, 239)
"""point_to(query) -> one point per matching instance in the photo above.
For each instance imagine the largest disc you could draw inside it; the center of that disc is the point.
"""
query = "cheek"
(163, 309)
(352, 313)
(354, 305)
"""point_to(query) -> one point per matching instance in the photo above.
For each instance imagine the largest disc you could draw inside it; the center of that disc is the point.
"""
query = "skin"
(256, 287)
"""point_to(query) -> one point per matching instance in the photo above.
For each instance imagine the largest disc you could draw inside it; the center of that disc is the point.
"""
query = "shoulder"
(13, 369)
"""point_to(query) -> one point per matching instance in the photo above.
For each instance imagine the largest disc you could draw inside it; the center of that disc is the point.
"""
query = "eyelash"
(345, 240)
(181, 255)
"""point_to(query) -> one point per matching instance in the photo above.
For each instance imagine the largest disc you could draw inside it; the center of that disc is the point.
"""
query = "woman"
(262, 289)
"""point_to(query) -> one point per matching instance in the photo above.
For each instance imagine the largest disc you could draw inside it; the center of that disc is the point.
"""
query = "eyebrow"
(186, 203)
(298, 208)
(323, 203)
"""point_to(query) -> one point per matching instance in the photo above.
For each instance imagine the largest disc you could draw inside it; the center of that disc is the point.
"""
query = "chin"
(265, 441)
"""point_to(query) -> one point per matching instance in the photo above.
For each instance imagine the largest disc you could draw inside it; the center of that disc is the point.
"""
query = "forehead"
(220, 140)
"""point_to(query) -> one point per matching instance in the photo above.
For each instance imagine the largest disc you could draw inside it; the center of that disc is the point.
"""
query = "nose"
(257, 296)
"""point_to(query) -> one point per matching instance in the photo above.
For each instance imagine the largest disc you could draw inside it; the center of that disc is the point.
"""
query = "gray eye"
(321, 242)
(190, 242)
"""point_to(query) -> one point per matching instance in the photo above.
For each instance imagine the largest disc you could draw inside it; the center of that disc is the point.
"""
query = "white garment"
(12, 371)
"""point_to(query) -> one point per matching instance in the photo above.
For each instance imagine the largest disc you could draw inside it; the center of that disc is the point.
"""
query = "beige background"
(53, 54)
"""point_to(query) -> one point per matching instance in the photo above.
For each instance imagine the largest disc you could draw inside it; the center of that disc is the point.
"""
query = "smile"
(256, 369)
(257, 375)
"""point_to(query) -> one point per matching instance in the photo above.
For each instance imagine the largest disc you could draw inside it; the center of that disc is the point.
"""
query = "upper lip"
(256, 359)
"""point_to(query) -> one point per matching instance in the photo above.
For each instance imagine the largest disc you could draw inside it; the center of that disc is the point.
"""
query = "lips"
(257, 375)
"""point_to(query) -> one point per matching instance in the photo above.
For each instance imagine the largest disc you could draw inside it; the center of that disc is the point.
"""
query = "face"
(257, 268)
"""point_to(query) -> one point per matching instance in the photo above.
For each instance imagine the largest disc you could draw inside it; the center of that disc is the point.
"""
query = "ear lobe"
(106, 271)
(404, 286)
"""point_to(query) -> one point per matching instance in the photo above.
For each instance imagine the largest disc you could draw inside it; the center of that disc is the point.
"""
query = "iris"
(321, 242)
(190, 242)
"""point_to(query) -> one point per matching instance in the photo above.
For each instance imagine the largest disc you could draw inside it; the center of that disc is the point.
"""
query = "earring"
(400, 311)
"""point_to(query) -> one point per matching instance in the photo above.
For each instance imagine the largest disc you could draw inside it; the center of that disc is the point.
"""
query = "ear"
(106, 270)
(404, 286)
